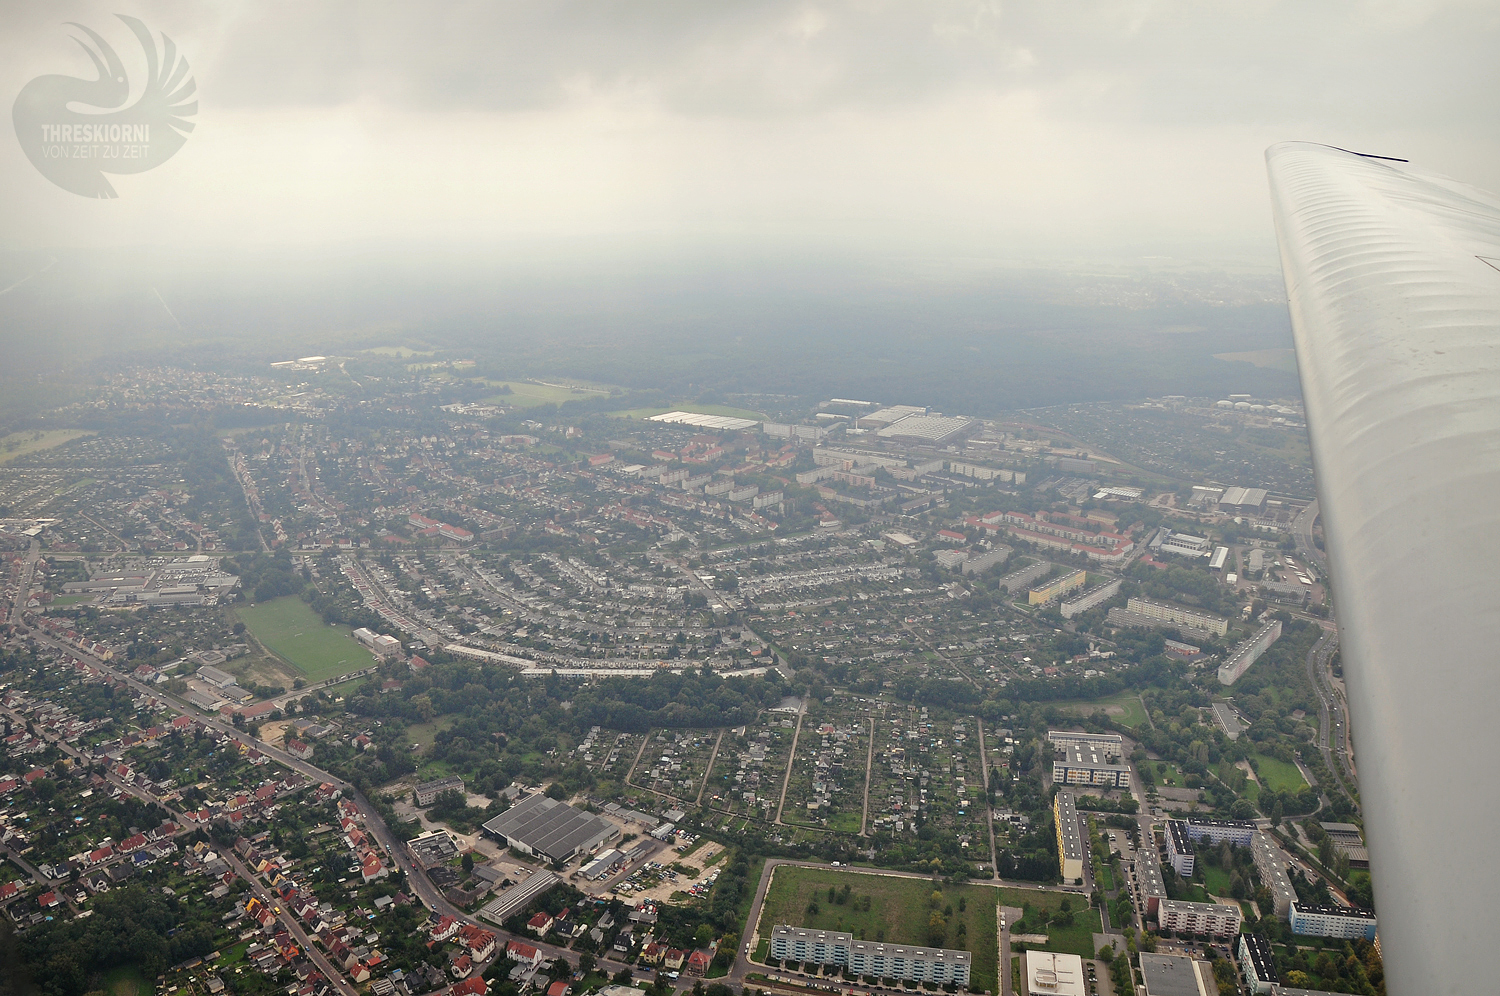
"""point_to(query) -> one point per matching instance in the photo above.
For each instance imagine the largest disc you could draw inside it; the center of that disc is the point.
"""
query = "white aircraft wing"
(1393, 278)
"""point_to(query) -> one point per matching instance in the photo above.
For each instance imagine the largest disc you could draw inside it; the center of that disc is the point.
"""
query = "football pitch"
(292, 631)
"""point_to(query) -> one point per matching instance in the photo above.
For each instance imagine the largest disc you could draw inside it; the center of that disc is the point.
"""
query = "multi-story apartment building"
(1178, 615)
(1095, 596)
(1257, 964)
(1056, 588)
(1071, 849)
(1270, 861)
(906, 962)
(1214, 919)
(1238, 832)
(1088, 759)
(1249, 652)
(1180, 848)
(1343, 922)
(1149, 887)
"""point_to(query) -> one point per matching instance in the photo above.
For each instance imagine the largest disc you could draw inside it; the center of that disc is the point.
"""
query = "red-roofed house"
(299, 750)
(446, 928)
(674, 959)
(475, 986)
(462, 966)
(373, 868)
(559, 988)
(47, 900)
(698, 963)
(103, 854)
(10, 889)
(33, 775)
(480, 942)
(519, 952)
(540, 924)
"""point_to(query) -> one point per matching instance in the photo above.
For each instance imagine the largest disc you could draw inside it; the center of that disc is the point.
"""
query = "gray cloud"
(1003, 127)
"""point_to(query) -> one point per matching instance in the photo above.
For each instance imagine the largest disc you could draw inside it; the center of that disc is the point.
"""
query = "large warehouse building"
(552, 829)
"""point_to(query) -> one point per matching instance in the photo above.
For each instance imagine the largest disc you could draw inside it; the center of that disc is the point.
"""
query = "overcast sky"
(1108, 130)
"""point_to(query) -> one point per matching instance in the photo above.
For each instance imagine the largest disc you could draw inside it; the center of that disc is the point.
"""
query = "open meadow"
(900, 910)
(288, 628)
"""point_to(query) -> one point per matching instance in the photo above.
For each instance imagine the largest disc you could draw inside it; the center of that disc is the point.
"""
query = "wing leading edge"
(1395, 309)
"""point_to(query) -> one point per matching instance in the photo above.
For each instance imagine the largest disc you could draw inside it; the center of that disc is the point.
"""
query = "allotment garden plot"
(674, 762)
(745, 782)
(827, 787)
(927, 773)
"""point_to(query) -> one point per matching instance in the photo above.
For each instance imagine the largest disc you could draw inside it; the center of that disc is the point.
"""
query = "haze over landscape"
(764, 499)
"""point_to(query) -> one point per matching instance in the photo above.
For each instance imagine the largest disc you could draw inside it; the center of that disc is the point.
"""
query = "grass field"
(19, 444)
(527, 395)
(899, 912)
(694, 407)
(424, 734)
(292, 631)
(1278, 776)
(127, 980)
(1172, 779)
(1124, 708)
(1215, 880)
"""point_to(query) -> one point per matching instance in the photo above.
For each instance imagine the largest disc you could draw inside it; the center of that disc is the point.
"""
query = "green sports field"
(1278, 776)
(524, 394)
(292, 631)
(1125, 708)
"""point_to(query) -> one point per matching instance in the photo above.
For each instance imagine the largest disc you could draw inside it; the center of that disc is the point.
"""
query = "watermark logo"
(72, 136)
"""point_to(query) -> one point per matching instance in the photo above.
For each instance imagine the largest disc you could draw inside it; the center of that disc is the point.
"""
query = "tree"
(586, 961)
(468, 862)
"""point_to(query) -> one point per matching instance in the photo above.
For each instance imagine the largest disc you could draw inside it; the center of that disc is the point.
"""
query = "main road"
(400, 854)
(1302, 531)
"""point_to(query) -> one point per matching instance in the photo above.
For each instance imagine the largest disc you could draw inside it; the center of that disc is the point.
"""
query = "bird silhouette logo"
(73, 135)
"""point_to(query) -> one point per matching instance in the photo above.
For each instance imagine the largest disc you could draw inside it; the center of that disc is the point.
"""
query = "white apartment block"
(1249, 652)
(1178, 615)
(1271, 862)
(1214, 919)
(1342, 922)
(1097, 595)
(885, 961)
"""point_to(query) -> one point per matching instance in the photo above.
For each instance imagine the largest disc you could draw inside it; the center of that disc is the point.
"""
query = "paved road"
(1302, 530)
(416, 876)
(335, 975)
(23, 584)
(1333, 722)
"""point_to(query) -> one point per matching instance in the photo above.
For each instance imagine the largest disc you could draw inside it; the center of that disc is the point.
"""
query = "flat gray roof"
(551, 827)
(1169, 975)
